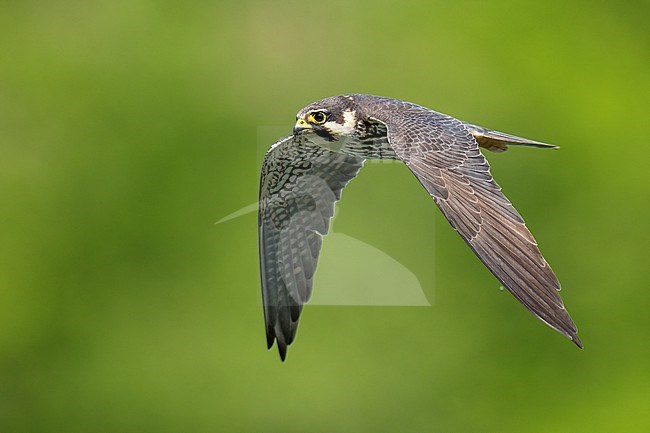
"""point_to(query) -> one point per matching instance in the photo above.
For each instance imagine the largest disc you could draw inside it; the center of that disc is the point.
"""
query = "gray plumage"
(303, 176)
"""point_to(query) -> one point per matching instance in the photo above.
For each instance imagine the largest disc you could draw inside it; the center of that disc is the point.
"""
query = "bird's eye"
(318, 117)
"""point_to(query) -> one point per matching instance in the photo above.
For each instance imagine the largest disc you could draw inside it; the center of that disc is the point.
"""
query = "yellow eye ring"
(317, 118)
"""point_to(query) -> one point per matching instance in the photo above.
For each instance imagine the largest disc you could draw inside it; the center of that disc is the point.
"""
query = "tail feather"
(496, 141)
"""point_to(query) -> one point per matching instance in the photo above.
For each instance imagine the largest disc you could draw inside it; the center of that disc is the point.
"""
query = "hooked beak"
(300, 126)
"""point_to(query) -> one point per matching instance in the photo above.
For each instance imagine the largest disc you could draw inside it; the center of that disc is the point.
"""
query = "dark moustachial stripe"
(324, 133)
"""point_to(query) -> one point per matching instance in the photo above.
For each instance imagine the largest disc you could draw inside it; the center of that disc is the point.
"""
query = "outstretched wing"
(443, 154)
(299, 185)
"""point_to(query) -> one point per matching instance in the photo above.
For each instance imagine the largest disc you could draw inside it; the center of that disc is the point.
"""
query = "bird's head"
(331, 119)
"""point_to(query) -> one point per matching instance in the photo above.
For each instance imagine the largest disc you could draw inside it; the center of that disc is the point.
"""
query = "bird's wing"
(444, 155)
(299, 185)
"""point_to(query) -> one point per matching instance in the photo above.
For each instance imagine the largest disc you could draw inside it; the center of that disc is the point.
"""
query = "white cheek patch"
(348, 127)
(350, 119)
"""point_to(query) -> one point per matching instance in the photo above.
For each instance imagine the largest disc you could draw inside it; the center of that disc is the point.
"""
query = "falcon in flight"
(303, 176)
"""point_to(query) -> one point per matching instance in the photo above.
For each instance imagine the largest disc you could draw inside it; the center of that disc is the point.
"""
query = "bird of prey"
(303, 176)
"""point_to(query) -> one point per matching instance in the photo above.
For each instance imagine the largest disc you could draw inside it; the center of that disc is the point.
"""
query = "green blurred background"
(127, 128)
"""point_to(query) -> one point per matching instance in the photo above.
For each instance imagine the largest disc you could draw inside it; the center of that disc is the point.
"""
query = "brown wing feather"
(444, 156)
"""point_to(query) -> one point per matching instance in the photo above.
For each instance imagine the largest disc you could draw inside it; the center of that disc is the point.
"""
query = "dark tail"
(498, 141)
